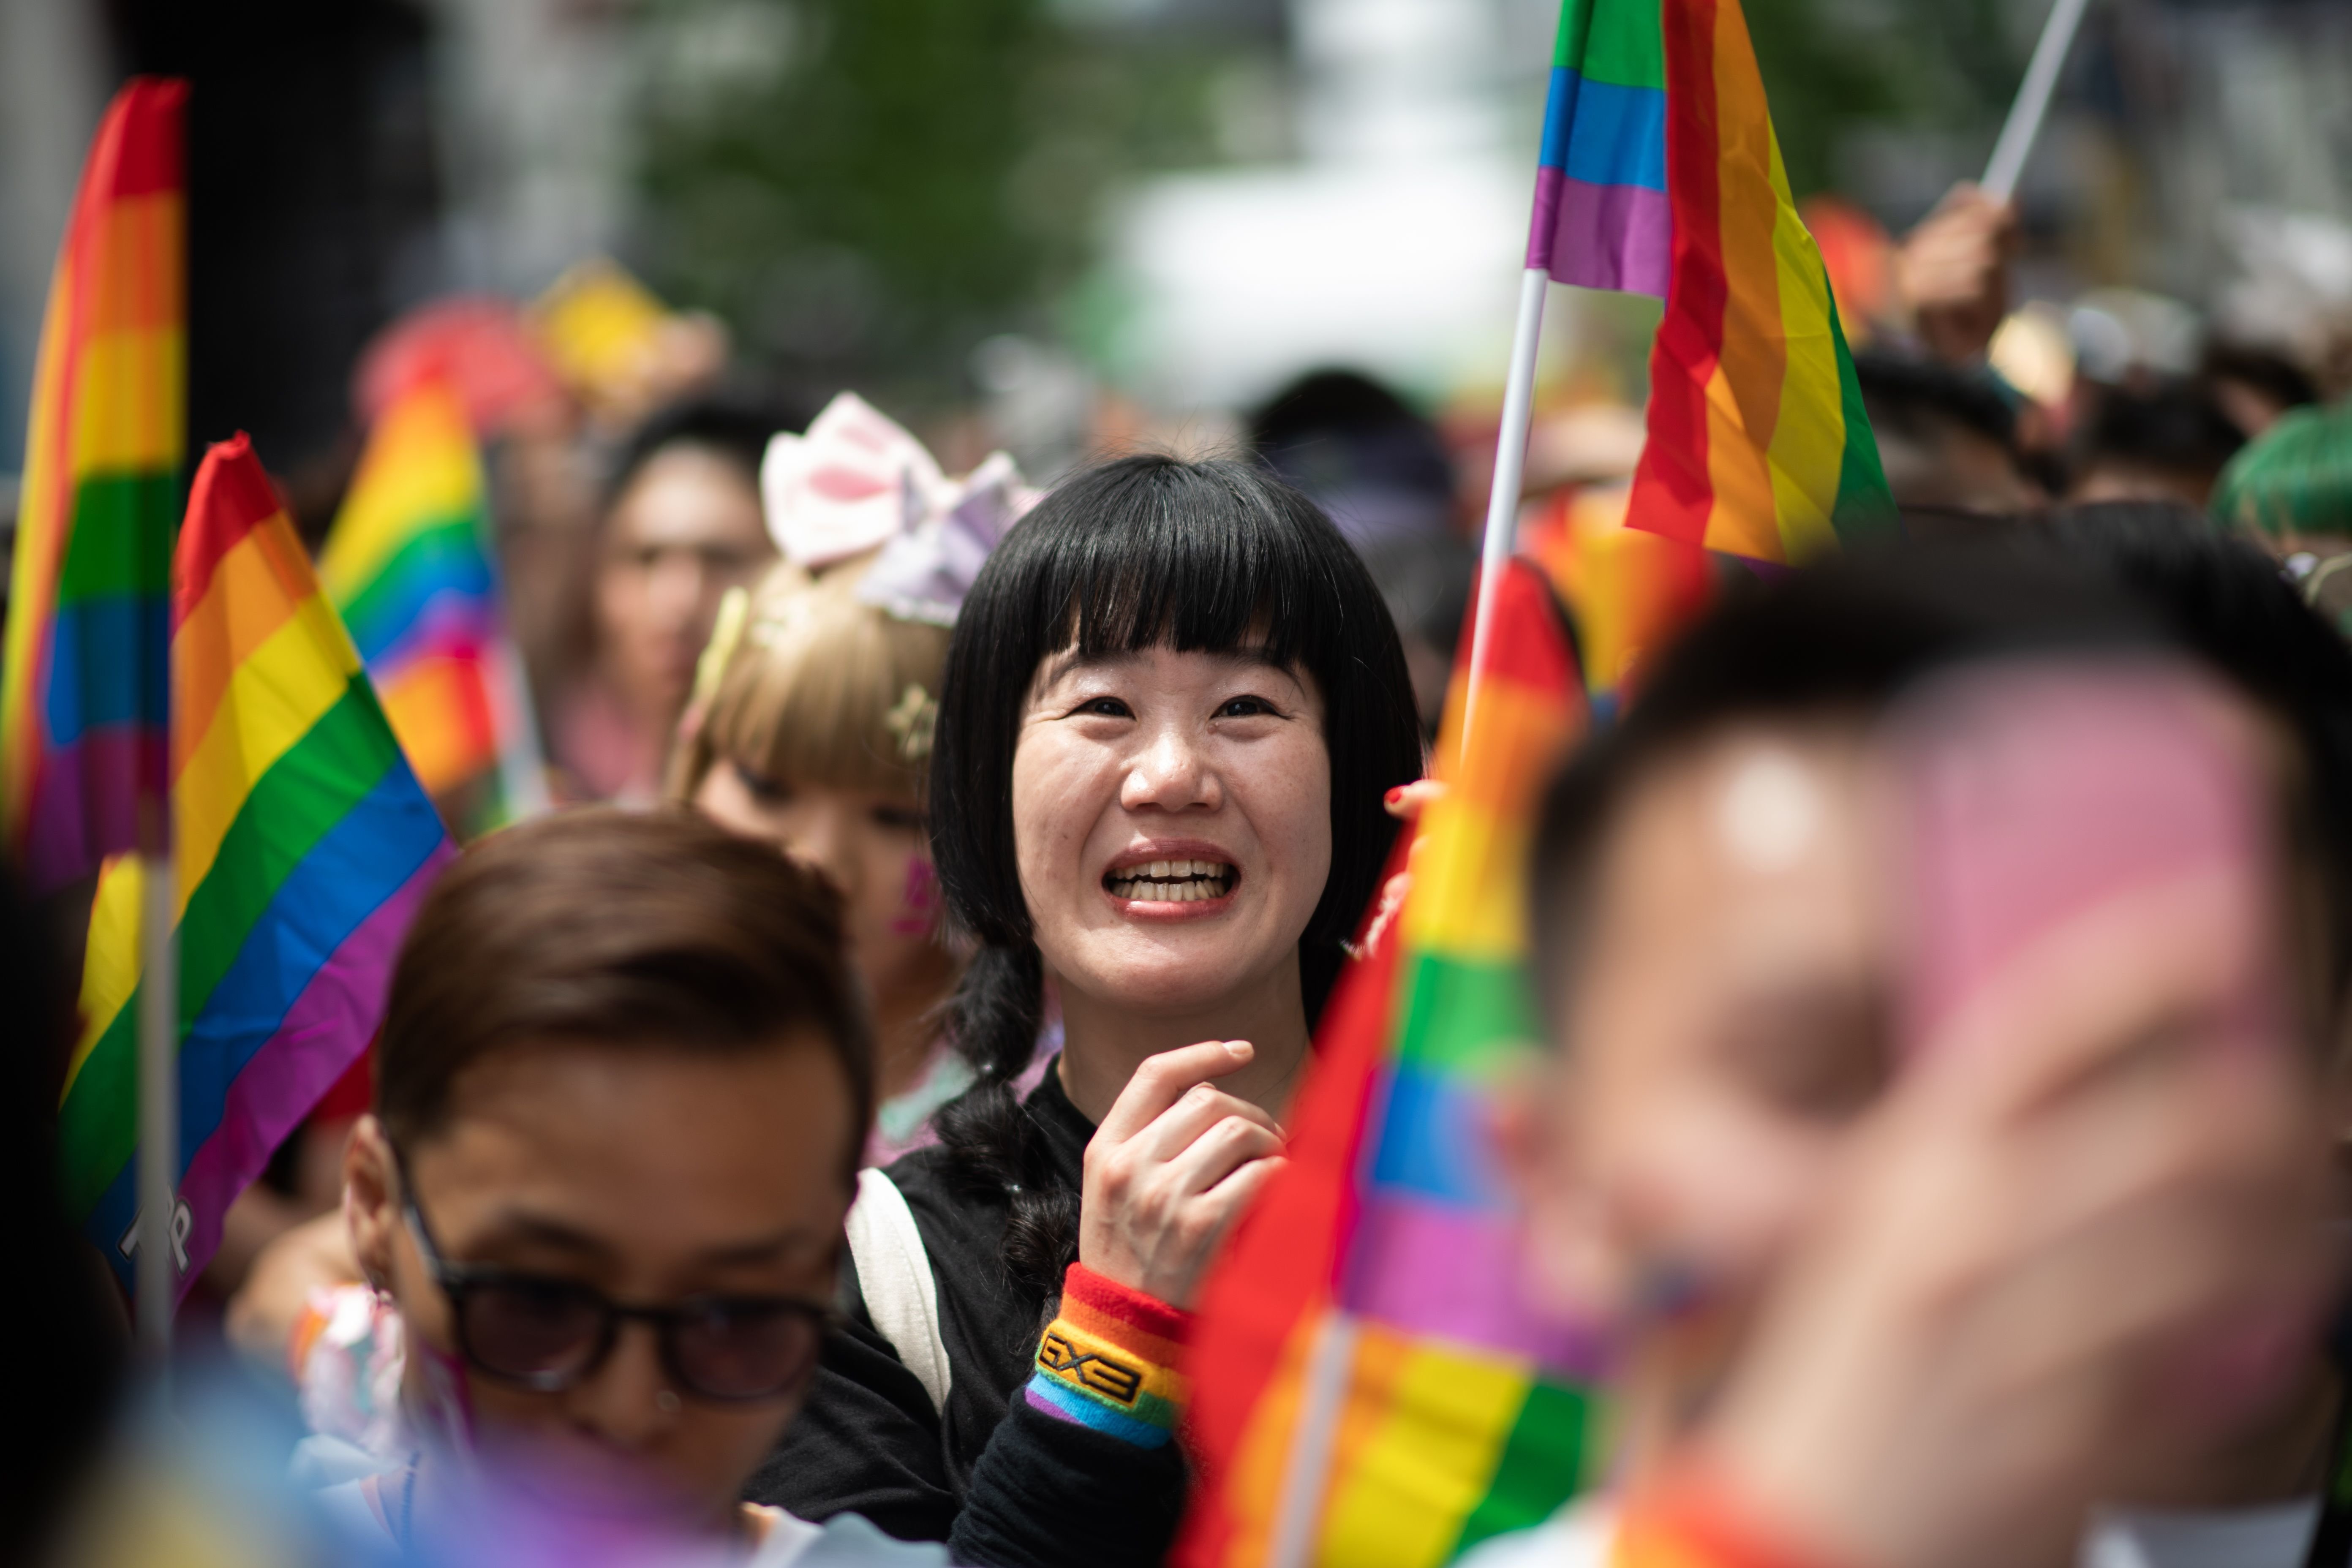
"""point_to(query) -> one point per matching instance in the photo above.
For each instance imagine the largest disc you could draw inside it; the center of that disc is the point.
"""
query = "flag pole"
(159, 1103)
(1510, 468)
(2019, 132)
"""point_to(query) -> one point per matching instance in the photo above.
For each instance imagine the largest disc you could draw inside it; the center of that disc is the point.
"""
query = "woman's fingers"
(1164, 1080)
(1200, 1109)
(1216, 1153)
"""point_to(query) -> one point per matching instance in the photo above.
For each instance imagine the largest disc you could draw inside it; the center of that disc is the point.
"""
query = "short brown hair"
(620, 928)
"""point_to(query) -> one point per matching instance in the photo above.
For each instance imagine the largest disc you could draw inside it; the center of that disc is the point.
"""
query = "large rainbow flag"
(83, 700)
(1370, 1388)
(303, 846)
(408, 565)
(1661, 175)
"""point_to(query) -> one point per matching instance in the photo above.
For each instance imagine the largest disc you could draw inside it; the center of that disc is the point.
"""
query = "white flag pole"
(1510, 468)
(160, 1237)
(2019, 132)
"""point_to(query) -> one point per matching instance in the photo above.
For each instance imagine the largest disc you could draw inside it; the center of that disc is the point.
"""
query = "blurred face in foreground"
(652, 1178)
(685, 529)
(1727, 1022)
(1725, 1028)
(1171, 816)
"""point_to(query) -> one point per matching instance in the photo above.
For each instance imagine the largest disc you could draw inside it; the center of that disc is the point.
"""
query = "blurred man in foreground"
(1901, 1300)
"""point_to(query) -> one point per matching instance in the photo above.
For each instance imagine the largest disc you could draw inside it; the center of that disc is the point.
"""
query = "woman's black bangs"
(1194, 566)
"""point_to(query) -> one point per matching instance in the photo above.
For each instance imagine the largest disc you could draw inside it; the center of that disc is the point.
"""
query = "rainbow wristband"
(1109, 1362)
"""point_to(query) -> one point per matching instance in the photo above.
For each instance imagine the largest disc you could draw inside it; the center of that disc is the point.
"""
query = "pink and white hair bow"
(857, 479)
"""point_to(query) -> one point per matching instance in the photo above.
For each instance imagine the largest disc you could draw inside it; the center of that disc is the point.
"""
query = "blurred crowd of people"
(1953, 1177)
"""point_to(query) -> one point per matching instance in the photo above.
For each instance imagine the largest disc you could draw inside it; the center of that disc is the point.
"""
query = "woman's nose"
(1171, 773)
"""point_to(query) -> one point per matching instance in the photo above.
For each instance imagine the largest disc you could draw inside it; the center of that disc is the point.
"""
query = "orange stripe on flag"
(441, 715)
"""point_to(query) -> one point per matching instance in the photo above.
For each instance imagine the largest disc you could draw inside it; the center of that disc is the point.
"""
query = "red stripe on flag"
(148, 157)
(1673, 493)
(231, 498)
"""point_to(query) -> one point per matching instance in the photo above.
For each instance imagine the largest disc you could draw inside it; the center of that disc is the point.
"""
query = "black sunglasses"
(549, 1335)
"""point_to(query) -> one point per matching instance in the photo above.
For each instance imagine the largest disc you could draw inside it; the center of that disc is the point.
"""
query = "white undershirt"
(2273, 1537)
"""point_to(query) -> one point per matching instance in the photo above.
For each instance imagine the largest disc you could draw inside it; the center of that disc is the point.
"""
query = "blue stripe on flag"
(1434, 1141)
(1604, 134)
(445, 568)
(360, 862)
(110, 664)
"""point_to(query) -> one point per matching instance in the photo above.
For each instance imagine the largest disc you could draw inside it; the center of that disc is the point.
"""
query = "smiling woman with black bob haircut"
(1173, 703)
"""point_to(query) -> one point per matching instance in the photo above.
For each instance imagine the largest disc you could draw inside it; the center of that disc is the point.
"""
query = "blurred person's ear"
(1574, 1271)
(372, 1200)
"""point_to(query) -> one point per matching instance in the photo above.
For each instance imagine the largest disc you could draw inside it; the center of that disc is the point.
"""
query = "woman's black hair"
(1143, 552)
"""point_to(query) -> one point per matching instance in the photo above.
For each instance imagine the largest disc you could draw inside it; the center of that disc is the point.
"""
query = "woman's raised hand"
(1169, 1168)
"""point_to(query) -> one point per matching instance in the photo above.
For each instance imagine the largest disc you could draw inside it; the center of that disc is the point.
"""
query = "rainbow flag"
(1629, 591)
(83, 700)
(408, 565)
(303, 844)
(1369, 1389)
(1602, 218)
(1661, 175)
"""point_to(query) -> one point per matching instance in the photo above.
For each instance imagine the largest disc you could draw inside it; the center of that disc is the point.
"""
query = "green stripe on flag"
(120, 547)
(443, 539)
(1611, 41)
(1463, 1017)
(1865, 507)
(306, 792)
(1541, 1466)
(97, 1125)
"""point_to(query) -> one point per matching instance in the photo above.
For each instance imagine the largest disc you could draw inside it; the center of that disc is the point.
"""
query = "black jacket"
(1003, 1484)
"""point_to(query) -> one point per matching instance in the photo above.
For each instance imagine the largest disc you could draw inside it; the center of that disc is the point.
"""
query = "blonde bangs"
(817, 691)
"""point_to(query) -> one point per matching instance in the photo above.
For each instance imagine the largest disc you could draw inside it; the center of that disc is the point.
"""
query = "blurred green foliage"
(864, 189)
(1834, 66)
(867, 189)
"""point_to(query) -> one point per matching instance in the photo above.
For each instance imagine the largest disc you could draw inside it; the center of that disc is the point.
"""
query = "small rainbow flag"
(1602, 218)
(1661, 175)
(303, 845)
(83, 702)
(1370, 1388)
(407, 565)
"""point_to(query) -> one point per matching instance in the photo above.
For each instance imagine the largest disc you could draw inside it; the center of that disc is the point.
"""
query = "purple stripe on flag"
(1456, 1274)
(85, 804)
(1601, 236)
(330, 1024)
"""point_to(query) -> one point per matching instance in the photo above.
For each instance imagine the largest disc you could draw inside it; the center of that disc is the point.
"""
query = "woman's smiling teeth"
(1170, 882)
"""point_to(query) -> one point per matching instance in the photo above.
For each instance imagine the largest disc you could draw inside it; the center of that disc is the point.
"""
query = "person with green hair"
(2290, 492)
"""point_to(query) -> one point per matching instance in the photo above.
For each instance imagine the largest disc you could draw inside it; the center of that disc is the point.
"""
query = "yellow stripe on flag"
(129, 409)
(420, 469)
(1404, 1499)
(1809, 445)
(109, 971)
(274, 698)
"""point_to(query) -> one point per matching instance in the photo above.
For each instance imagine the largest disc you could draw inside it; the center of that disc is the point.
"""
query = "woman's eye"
(906, 818)
(1244, 708)
(760, 787)
(1105, 708)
